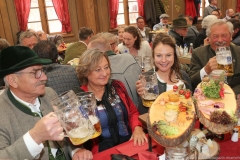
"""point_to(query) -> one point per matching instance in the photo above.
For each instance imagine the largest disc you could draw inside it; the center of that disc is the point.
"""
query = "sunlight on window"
(120, 19)
(34, 15)
(48, 14)
(55, 26)
(35, 26)
(133, 17)
(206, 3)
(51, 13)
(133, 6)
(120, 16)
(132, 12)
(201, 8)
(34, 3)
(48, 3)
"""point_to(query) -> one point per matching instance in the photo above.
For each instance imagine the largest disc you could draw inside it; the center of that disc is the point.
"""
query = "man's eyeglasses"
(37, 73)
(113, 44)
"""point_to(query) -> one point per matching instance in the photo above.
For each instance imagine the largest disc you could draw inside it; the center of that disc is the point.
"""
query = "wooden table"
(184, 60)
(228, 149)
(143, 118)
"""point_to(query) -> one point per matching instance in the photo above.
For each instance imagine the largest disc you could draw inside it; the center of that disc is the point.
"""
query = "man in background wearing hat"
(179, 31)
(28, 129)
(163, 22)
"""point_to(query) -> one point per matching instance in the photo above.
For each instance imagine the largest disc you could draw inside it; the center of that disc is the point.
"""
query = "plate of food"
(216, 105)
(171, 117)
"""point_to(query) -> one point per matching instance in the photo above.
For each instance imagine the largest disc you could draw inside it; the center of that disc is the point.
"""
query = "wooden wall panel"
(88, 14)
(7, 28)
(103, 15)
(174, 8)
(227, 4)
(72, 7)
(2, 32)
(13, 19)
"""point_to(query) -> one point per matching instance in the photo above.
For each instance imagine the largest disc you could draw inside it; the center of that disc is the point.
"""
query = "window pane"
(34, 3)
(120, 8)
(51, 13)
(120, 19)
(36, 26)
(34, 15)
(120, 1)
(48, 3)
(200, 11)
(55, 26)
(133, 6)
(133, 17)
(206, 3)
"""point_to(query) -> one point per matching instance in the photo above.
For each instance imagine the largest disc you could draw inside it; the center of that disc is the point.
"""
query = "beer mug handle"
(64, 135)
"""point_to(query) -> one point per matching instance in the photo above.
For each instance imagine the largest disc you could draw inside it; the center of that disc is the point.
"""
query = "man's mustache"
(40, 83)
(220, 43)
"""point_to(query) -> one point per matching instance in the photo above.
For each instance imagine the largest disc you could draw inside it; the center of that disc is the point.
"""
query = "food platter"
(206, 106)
(182, 124)
(214, 149)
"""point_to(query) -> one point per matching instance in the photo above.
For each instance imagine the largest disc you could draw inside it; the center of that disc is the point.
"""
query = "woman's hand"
(139, 136)
(139, 88)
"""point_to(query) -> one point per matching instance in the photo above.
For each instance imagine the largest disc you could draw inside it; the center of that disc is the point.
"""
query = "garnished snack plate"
(206, 106)
(183, 123)
(214, 149)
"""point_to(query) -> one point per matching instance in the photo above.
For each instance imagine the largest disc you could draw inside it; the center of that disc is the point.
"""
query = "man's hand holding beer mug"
(222, 61)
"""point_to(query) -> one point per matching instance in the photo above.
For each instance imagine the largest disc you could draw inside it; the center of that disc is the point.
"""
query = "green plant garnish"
(211, 89)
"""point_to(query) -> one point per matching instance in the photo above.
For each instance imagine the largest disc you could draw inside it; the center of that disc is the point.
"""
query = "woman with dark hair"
(117, 113)
(133, 43)
(167, 67)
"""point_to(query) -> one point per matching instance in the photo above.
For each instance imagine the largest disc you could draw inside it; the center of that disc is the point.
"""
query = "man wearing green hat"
(179, 31)
(27, 128)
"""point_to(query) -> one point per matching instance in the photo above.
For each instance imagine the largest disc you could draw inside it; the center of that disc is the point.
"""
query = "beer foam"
(93, 119)
(150, 96)
(80, 132)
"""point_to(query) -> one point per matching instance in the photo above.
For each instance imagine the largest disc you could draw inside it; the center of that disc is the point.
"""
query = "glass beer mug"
(77, 127)
(147, 63)
(224, 60)
(89, 106)
(150, 83)
(181, 152)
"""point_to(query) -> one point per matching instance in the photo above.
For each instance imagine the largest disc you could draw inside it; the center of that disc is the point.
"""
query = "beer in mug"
(224, 60)
(150, 83)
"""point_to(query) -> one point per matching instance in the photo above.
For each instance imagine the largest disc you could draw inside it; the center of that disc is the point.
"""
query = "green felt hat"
(16, 58)
(180, 23)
